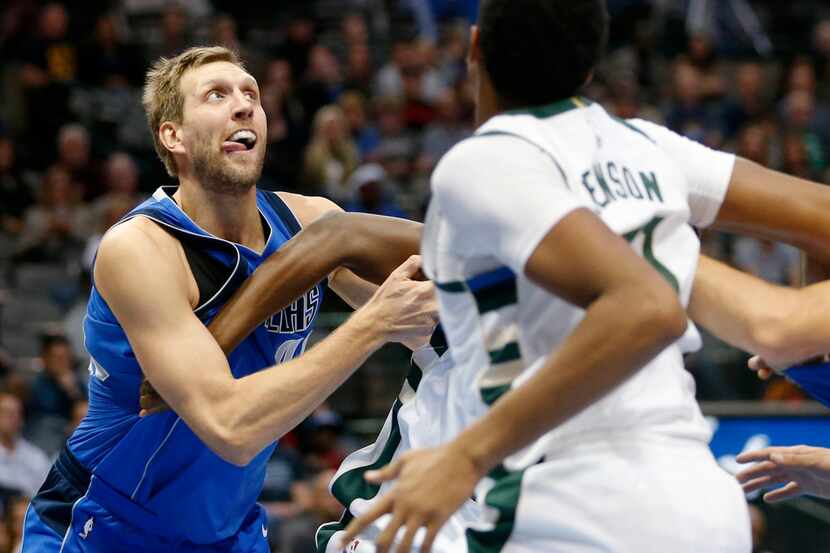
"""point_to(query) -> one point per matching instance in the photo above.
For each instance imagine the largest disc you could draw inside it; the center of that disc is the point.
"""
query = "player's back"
(154, 472)
(496, 318)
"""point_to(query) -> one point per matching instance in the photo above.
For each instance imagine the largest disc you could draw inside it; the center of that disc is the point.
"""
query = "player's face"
(224, 127)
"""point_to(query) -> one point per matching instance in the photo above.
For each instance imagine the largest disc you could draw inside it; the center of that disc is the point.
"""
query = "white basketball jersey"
(497, 194)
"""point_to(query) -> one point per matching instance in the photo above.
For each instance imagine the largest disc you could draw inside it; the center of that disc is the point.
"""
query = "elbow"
(228, 439)
(664, 314)
(232, 446)
(772, 336)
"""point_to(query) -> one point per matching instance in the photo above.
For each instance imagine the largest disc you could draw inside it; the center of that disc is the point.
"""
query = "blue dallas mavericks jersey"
(154, 472)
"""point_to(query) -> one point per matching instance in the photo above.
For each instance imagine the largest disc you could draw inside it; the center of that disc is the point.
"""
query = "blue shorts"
(65, 518)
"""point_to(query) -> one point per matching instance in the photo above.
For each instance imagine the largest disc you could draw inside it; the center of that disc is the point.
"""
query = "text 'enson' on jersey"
(298, 316)
(608, 182)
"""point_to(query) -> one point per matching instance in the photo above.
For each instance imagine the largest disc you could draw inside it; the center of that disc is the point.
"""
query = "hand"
(760, 366)
(405, 309)
(431, 485)
(803, 470)
(150, 400)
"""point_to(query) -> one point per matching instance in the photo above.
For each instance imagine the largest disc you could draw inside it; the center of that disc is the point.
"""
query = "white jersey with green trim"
(497, 194)
(420, 417)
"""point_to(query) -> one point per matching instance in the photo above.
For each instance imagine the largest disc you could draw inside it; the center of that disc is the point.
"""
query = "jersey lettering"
(298, 316)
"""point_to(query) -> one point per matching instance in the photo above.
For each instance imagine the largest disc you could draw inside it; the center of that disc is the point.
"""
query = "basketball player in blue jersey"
(187, 480)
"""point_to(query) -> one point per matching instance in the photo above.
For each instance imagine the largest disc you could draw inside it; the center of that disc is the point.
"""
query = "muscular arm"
(370, 246)
(146, 289)
(783, 325)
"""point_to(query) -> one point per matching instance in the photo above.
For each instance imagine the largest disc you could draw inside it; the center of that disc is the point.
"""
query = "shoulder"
(308, 209)
(139, 253)
(135, 238)
(490, 157)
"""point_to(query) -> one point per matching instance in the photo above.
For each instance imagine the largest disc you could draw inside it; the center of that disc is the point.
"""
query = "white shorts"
(625, 496)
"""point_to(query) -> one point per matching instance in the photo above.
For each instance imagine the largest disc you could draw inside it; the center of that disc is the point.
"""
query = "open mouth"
(240, 141)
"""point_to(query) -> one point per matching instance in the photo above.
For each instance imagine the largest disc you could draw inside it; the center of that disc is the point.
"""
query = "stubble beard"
(221, 176)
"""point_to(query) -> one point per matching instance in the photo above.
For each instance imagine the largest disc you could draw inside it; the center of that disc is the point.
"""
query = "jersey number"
(648, 249)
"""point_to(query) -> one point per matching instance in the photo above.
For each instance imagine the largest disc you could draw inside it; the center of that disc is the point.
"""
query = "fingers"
(412, 526)
(764, 468)
(793, 489)
(429, 538)
(389, 472)
(408, 268)
(357, 525)
(760, 366)
(387, 537)
(758, 455)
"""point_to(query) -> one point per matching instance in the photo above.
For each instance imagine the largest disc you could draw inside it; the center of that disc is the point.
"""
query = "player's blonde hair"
(163, 99)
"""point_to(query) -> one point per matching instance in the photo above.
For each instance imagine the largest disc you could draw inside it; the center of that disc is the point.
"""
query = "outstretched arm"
(370, 246)
(782, 325)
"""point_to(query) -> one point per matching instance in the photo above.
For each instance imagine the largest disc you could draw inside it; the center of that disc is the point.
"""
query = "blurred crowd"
(363, 97)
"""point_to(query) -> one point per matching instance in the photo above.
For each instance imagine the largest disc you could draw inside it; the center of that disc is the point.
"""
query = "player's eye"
(214, 95)
(251, 95)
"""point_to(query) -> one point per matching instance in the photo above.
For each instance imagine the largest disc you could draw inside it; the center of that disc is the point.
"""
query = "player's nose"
(243, 107)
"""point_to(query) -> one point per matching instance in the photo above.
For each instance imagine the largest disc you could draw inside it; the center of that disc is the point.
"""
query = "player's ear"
(474, 52)
(170, 135)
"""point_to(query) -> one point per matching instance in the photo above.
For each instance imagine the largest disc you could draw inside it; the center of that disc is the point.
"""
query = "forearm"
(264, 406)
(776, 206)
(602, 352)
(781, 324)
(371, 246)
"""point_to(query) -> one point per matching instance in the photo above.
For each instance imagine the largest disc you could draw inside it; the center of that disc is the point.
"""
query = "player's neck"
(232, 217)
(487, 104)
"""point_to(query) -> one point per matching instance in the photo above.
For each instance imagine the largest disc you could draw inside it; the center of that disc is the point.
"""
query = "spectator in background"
(15, 513)
(331, 156)
(323, 81)
(359, 70)
(821, 55)
(448, 129)
(749, 102)
(14, 194)
(371, 193)
(285, 494)
(410, 57)
(688, 115)
(121, 185)
(398, 146)
(625, 101)
(5, 535)
(802, 116)
(701, 54)
(107, 60)
(300, 36)
(23, 466)
(364, 134)
(175, 33)
(321, 434)
(53, 394)
(323, 508)
(287, 127)
(49, 66)
(55, 229)
(74, 156)
(452, 56)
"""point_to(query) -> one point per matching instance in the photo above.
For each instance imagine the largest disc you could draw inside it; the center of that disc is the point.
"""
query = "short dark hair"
(540, 51)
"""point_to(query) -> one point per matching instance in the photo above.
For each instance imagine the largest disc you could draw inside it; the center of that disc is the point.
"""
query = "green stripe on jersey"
(497, 296)
(490, 395)
(549, 110)
(352, 485)
(326, 531)
(503, 497)
(508, 353)
(453, 287)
